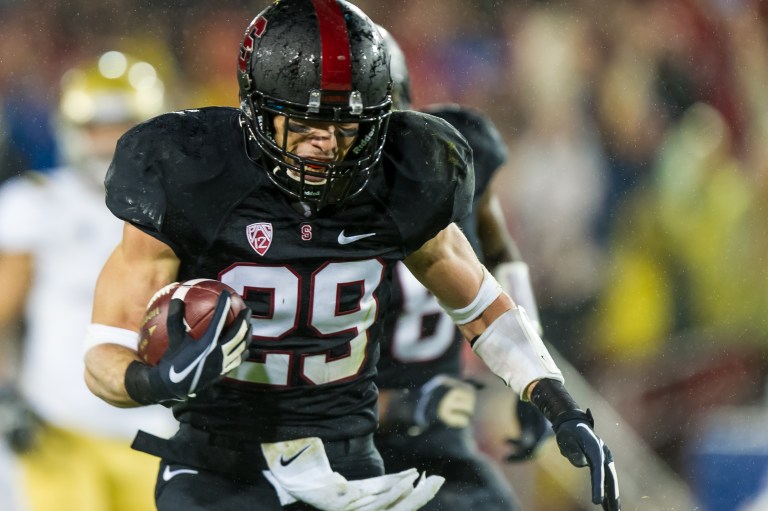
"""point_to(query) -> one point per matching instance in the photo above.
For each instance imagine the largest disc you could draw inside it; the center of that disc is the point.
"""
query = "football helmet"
(101, 100)
(321, 61)
(398, 69)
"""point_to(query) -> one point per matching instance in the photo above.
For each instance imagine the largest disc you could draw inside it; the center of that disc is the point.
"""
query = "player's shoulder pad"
(179, 151)
(428, 168)
(426, 148)
(489, 150)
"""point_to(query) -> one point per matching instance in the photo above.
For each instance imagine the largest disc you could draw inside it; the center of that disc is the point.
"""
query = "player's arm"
(503, 257)
(16, 275)
(504, 260)
(498, 245)
(449, 268)
(506, 340)
(18, 423)
(139, 266)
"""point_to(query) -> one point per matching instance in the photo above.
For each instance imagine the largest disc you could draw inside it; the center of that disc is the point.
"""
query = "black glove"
(18, 423)
(576, 438)
(189, 364)
(534, 429)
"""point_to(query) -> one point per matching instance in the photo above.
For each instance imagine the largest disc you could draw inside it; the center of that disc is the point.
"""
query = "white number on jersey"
(284, 284)
(408, 345)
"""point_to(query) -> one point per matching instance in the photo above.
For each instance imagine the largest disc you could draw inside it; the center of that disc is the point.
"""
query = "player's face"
(101, 138)
(92, 146)
(322, 141)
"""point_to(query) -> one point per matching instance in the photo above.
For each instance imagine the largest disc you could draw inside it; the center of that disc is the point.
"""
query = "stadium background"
(635, 188)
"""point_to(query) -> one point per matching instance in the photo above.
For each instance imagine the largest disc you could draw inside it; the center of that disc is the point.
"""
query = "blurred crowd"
(637, 180)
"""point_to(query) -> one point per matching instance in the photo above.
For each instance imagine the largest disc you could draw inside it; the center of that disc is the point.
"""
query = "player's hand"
(18, 423)
(534, 429)
(579, 443)
(189, 364)
(445, 400)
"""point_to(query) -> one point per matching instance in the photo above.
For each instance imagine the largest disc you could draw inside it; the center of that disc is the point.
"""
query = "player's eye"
(296, 127)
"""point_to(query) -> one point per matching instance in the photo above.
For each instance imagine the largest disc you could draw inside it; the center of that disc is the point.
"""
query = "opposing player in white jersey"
(72, 450)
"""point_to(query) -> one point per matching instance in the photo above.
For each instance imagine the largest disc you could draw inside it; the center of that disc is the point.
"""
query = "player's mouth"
(314, 178)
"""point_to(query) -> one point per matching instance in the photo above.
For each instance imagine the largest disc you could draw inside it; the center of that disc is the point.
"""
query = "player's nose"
(325, 139)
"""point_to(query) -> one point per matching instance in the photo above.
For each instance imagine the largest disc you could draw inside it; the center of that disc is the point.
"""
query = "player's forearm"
(475, 328)
(503, 336)
(497, 244)
(105, 367)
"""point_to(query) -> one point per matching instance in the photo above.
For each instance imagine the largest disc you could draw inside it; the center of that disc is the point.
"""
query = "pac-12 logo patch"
(260, 236)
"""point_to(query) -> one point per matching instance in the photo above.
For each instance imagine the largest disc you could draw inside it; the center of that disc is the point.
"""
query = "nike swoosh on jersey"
(176, 377)
(168, 474)
(285, 462)
(344, 240)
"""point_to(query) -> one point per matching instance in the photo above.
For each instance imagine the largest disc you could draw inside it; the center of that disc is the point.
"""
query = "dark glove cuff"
(571, 415)
(555, 402)
(138, 384)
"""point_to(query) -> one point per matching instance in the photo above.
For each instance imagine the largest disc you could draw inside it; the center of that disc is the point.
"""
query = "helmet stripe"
(336, 70)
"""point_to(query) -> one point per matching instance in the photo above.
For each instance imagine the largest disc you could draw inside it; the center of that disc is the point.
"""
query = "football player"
(302, 200)
(425, 408)
(73, 450)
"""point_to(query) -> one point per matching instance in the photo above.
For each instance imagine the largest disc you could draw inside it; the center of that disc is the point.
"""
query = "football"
(200, 297)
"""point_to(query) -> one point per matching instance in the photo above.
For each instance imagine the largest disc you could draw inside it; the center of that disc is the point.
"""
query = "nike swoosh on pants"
(169, 474)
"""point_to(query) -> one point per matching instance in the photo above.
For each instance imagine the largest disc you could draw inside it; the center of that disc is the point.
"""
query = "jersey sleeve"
(22, 222)
(489, 151)
(134, 182)
(429, 166)
(174, 175)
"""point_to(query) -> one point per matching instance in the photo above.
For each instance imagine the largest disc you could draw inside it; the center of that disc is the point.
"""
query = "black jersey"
(420, 340)
(316, 284)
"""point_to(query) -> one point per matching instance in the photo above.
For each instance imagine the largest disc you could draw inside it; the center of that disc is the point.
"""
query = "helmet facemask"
(333, 181)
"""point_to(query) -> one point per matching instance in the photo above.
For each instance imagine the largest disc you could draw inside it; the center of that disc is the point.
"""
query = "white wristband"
(513, 350)
(488, 292)
(105, 334)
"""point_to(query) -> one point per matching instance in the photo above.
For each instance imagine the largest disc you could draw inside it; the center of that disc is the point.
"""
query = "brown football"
(200, 297)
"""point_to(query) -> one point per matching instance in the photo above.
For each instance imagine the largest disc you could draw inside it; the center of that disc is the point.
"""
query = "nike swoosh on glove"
(300, 471)
(189, 364)
(578, 442)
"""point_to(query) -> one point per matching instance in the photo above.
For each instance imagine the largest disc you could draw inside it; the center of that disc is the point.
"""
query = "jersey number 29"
(325, 318)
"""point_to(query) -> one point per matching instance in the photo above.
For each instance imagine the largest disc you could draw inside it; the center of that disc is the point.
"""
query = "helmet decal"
(255, 30)
(336, 73)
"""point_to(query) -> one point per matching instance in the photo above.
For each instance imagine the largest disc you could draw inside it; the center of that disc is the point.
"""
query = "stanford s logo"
(260, 236)
(255, 30)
